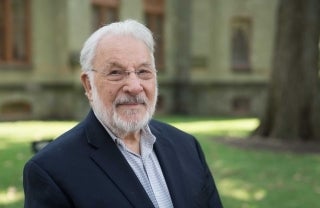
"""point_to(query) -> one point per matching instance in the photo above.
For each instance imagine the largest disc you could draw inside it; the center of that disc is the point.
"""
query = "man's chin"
(131, 117)
(131, 112)
(129, 124)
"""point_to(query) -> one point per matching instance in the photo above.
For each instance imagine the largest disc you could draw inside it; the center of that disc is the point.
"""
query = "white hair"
(127, 27)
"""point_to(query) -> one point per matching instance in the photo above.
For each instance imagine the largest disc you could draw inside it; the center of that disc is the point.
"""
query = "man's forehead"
(121, 44)
(124, 64)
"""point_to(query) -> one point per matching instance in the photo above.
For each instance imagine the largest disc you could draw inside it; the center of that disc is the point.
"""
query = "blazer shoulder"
(168, 130)
(160, 125)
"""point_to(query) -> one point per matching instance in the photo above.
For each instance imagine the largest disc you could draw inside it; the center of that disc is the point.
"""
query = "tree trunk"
(293, 103)
(182, 35)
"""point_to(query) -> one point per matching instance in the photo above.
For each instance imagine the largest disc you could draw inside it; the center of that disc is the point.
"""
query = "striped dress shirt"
(147, 168)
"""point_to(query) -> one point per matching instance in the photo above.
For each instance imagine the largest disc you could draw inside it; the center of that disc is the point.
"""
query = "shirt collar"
(147, 140)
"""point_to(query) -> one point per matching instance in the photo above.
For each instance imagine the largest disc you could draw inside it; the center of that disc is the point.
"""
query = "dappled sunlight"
(218, 126)
(11, 195)
(17, 132)
(235, 189)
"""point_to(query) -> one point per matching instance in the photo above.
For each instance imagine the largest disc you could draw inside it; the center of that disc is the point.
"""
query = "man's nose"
(133, 84)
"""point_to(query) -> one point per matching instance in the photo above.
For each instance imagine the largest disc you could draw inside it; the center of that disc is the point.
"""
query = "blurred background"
(219, 50)
(241, 75)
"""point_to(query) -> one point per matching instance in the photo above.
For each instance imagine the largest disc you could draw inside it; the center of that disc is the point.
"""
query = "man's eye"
(143, 72)
(116, 72)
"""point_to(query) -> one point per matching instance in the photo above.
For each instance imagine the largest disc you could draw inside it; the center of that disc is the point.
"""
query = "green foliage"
(245, 178)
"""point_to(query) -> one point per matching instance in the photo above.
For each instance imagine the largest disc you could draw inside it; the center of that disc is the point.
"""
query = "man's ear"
(86, 85)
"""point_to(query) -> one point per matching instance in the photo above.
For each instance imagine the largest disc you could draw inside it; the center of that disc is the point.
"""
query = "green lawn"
(245, 178)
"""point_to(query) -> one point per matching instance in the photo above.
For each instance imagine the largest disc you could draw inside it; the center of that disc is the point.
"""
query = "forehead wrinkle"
(115, 63)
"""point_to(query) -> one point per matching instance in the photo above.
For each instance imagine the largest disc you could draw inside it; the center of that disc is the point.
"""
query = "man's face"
(124, 105)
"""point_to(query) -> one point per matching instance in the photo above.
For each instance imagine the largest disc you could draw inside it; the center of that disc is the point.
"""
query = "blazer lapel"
(109, 158)
(171, 169)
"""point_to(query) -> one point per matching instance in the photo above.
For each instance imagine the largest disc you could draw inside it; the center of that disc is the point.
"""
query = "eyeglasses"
(120, 74)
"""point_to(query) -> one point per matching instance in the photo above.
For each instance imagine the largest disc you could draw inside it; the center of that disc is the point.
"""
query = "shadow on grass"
(262, 179)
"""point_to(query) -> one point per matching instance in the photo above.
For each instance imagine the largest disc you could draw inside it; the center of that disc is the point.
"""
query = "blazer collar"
(111, 161)
(109, 158)
(171, 168)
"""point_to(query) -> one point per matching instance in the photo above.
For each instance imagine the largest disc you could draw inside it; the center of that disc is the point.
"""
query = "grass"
(15, 150)
(245, 178)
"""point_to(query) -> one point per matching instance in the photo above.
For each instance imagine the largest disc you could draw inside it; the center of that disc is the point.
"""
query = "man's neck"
(132, 141)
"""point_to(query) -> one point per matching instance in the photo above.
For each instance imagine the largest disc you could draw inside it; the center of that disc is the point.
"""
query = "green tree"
(293, 102)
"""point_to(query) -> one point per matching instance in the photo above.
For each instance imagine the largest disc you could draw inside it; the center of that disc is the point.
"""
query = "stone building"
(40, 41)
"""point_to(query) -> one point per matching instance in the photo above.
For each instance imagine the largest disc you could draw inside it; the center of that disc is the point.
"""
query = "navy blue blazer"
(83, 168)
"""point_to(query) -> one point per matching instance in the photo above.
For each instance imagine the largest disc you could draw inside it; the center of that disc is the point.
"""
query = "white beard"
(115, 122)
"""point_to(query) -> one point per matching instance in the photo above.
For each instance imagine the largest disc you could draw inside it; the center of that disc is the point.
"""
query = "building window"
(241, 105)
(154, 18)
(14, 31)
(104, 12)
(240, 44)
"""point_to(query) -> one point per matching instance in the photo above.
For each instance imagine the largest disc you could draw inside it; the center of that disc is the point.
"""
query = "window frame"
(153, 11)
(103, 7)
(241, 25)
(8, 58)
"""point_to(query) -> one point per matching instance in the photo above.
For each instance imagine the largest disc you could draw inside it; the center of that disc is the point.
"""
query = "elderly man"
(118, 156)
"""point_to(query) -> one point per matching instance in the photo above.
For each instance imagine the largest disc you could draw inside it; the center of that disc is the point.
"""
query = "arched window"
(240, 44)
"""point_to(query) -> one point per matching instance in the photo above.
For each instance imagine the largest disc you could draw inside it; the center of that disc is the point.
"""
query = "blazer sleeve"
(209, 196)
(40, 189)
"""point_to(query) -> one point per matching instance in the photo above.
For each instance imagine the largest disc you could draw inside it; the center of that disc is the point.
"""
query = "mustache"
(129, 99)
